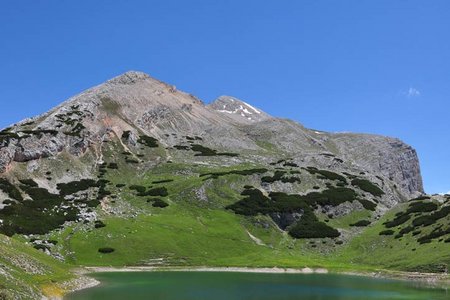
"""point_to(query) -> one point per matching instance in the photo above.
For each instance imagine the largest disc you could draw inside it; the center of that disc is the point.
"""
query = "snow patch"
(226, 111)
(247, 111)
(257, 111)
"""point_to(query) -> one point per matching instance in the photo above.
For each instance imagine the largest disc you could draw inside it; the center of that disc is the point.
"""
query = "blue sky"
(365, 66)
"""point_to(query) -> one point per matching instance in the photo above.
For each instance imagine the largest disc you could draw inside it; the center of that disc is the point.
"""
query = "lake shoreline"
(430, 279)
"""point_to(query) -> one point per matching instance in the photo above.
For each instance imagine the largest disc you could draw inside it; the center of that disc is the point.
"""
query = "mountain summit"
(137, 103)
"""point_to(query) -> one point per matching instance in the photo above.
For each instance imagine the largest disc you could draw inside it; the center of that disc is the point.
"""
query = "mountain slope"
(135, 172)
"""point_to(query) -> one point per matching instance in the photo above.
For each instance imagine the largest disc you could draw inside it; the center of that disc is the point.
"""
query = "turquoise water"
(225, 285)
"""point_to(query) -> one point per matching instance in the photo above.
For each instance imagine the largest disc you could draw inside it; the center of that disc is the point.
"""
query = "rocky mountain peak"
(238, 109)
(129, 77)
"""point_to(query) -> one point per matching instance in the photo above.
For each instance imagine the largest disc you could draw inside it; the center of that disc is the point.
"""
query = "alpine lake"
(234, 285)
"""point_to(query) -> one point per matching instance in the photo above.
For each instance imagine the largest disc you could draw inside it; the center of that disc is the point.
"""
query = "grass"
(29, 272)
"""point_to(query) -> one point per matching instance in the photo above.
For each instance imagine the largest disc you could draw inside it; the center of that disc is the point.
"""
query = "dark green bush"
(387, 232)
(162, 181)
(159, 203)
(76, 186)
(215, 175)
(29, 182)
(10, 189)
(138, 188)
(106, 250)
(367, 186)
(99, 224)
(433, 235)
(38, 216)
(159, 191)
(113, 166)
(131, 161)
(325, 174)
(148, 141)
(309, 227)
(361, 223)
(421, 207)
(400, 219)
(204, 151)
(181, 147)
(290, 164)
(432, 218)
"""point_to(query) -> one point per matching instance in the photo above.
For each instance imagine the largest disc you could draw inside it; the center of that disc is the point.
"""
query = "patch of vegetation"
(29, 182)
(113, 166)
(73, 187)
(99, 224)
(309, 227)
(279, 176)
(430, 268)
(39, 216)
(215, 175)
(131, 161)
(142, 191)
(421, 207)
(399, 219)
(387, 232)
(138, 188)
(159, 203)
(106, 250)
(325, 174)
(181, 147)
(361, 223)
(10, 189)
(290, 164)
(367, 186)
(148, 141)
(369, 205)
(162, 181)
(432, 218)
(204, 151)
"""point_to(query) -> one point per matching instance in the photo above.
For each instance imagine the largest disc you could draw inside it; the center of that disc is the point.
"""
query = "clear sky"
(365, 66)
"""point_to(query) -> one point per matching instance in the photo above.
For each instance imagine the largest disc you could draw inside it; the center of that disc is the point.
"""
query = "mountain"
(135, 172)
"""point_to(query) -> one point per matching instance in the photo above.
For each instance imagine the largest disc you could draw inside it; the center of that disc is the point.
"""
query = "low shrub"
(162, 181)
(10, 189)
(113, 166)
(400, 219)
(99, 224)
(309, 227)
(28, 182)
(325, 174)
(106, 250)
(159, 203)
(159, 191)
(138, 188)
(386, 232)
(148, 141)
(76, 186)
(215, 175)
(361, 223)
(367, 186)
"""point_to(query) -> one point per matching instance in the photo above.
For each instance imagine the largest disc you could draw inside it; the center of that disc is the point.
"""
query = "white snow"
(247, 111)
(257, 111)
(226, 111)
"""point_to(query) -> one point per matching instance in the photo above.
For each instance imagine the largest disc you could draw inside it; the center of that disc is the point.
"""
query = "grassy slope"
(190, 232)
(194, 232)
(405, 253)
(26, 272)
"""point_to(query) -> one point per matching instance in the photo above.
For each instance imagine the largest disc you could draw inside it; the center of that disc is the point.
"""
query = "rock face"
(136, 103)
